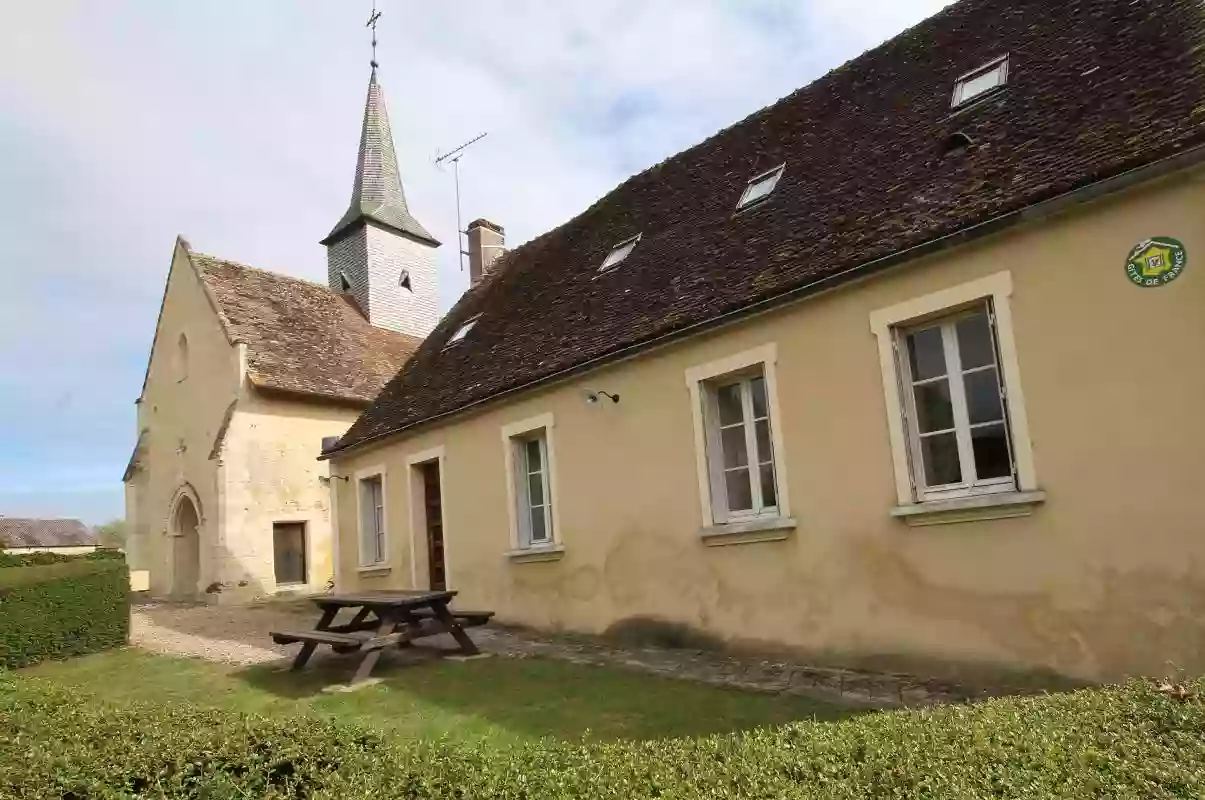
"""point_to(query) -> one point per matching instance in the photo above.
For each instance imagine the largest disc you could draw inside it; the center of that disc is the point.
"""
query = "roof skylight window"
(619, 253)
(760, 187)
(462, 331)
(980, 81)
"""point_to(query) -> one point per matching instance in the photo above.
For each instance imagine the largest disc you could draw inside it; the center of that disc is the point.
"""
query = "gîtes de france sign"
(1157, 261)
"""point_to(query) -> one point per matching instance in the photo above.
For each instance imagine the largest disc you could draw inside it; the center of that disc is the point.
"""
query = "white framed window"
(738, 441)
(374, 550)
(979, 81)
(952, 389)
(531, 476)
(463, 330)
(533, 492)
(619, 253)
(760, 186)
(954, 405)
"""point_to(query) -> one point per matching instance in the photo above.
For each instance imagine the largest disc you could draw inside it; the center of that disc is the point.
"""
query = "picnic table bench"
(382, 619)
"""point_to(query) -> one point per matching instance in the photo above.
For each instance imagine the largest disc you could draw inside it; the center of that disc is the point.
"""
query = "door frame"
(418, 515)
(304, 522)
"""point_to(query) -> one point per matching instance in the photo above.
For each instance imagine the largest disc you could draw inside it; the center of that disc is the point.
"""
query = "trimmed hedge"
(47, 557)
(1120, 742)
(70, 606)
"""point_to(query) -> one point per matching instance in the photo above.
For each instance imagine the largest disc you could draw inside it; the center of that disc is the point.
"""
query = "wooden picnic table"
(382, 619)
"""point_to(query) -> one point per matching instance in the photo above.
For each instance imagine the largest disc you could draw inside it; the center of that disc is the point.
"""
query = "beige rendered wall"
(1104, 579)
(183, 418)
(272, 474)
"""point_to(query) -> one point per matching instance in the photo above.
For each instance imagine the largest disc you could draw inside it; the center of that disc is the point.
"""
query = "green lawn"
(496, 699)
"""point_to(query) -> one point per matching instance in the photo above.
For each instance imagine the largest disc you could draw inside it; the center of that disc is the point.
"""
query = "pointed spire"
(377, 194)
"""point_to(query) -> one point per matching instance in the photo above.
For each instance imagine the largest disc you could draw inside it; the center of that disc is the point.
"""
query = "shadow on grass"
(532, 698)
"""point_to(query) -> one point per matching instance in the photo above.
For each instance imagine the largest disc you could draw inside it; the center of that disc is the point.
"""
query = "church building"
(250, 371)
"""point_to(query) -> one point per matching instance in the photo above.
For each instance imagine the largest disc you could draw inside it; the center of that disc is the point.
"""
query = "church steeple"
(378, 252)
(377, 194)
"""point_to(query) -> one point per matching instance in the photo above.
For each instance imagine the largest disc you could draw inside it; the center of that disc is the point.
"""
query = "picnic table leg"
(453, 627)
(308, 648)
(366, 665)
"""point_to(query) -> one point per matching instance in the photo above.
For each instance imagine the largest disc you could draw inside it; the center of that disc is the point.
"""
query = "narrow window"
(182, 359)
(288, 551)
(533, 492)
(954, 406)
(741, 452)
(372, 521)
(619, 253)
(463, 331)
(980, 81)
(344, 283)
(760, 186)
(403, 280)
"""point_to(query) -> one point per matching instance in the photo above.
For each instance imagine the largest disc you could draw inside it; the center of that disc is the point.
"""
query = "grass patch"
(497, 700)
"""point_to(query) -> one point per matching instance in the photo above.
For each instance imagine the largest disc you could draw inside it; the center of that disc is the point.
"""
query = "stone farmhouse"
(907, 364)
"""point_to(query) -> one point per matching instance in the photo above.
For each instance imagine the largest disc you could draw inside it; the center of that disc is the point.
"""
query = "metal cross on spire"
(372, 23)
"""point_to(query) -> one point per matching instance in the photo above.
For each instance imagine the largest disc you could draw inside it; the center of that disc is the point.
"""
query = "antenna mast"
(454, 156)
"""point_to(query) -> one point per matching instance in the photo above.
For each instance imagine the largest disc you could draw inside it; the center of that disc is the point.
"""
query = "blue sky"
(125, 123)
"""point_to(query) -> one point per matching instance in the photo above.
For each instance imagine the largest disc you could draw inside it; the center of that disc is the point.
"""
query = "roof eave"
(347, 225)
(1149, 171)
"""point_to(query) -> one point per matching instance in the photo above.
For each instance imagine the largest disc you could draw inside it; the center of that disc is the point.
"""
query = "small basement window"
(980, 81)
(760, 186)
(619, 253)
(463, 330)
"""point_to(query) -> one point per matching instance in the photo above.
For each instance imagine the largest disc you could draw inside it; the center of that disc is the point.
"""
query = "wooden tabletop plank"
(395, 599)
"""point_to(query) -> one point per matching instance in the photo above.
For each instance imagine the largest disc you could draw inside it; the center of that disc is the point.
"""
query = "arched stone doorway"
(186, 547)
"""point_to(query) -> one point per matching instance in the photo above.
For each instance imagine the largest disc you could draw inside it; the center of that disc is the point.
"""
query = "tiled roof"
(377, 193)
(302, 338)
(20, 532)
(1095, 88)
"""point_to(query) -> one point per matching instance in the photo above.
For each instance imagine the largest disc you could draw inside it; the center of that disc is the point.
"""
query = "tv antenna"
(454, 156)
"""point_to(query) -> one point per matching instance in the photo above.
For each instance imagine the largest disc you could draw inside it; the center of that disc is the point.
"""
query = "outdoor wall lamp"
(593, 396)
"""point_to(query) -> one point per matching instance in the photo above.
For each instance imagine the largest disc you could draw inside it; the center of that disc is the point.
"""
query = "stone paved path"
(239, 635)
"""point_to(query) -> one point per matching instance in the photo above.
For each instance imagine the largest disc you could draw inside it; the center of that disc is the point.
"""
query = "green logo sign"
(1157, 261)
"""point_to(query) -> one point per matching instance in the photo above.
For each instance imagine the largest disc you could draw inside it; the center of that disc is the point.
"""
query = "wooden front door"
(433, 503)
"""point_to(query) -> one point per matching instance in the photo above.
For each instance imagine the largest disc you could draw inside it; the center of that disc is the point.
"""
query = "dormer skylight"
(619, 253)
(760, 186)
(462, 331)
(980, 81)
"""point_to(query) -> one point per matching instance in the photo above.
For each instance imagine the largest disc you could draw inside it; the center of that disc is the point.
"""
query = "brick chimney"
(485, 245)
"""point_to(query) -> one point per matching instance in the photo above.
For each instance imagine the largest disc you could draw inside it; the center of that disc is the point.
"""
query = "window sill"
(527, 555)
(770, 529)
(970, 509)
(372, 570)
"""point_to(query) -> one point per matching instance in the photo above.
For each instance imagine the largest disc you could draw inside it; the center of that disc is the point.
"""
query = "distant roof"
(302, 338)
(21, 532)
(377, 194)
(1095, 88)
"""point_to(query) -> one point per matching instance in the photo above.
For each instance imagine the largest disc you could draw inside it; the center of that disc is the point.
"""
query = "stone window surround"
(997, 288)
(360, 475)
(717, 530)
(554, 549)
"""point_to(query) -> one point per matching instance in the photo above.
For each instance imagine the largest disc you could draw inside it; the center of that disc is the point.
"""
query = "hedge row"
(1123, 742)
(68, 607)
(47, 557)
